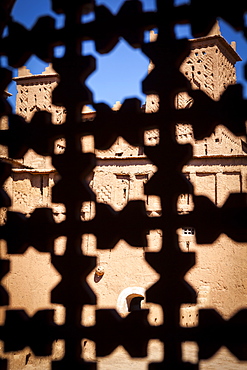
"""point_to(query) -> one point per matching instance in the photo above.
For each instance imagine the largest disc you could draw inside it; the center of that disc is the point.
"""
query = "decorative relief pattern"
(60, 115)
(227, 75)
(103, 194)
(184, 133)
(23, 102)
(151, 137)
(20, 199)
(199, 69)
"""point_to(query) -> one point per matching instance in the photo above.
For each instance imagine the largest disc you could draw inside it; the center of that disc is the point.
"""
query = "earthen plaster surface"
(218, 167)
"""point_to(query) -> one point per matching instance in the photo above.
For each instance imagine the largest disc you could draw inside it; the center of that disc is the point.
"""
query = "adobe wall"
(219, 276)
(218, 167)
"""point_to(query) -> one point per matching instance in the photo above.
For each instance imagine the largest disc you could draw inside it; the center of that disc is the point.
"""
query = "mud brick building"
(122, 275)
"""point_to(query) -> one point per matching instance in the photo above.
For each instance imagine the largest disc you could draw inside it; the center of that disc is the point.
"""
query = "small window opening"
(188, 231)
(59, 146)
(134, 302)
(140, 150)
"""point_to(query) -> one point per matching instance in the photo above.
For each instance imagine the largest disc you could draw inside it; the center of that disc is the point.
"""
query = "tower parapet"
(34, 93)
(210, 67)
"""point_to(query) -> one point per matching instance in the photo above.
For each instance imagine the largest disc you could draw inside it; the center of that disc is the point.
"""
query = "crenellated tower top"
(210, 67)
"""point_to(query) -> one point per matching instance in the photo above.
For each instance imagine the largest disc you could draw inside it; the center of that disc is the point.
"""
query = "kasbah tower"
(122, 275)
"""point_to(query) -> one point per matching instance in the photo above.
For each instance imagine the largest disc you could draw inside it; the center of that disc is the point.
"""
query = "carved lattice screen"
(132, 223)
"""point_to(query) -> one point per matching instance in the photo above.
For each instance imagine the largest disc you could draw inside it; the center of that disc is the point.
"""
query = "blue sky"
(119, 73)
